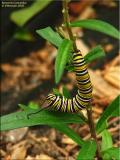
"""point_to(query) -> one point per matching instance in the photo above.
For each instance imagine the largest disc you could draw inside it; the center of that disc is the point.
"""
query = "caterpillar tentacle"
(84, 94)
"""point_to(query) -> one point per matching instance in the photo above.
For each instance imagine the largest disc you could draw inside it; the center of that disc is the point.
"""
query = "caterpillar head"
(51, 98)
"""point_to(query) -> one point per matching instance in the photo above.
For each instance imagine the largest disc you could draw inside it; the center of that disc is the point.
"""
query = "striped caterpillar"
(84, 94)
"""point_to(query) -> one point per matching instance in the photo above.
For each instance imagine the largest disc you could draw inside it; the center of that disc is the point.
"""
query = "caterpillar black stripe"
(84, 94)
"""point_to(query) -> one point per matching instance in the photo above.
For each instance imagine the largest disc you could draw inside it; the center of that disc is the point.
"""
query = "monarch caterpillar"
(84, 94)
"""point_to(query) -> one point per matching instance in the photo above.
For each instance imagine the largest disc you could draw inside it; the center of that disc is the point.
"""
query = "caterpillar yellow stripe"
(84, 94)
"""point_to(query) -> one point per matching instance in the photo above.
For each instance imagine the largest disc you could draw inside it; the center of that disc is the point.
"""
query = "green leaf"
(103, 126)
(33, 105)
(56, 92)
(106, 157)
(23, 107)
(22, 16)
(24, 35)
(66, 93)
(111, 154)
(20, 119)
(116, 112)
(61, 59)
(106, 140)
(69, 132)
(70, 68)
(97, 25)
(94, 54)
(70, 58)
(87, 152)
(49, 34)
(108, 113)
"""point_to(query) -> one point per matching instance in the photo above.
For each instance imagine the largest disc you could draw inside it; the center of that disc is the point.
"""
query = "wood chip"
(113, 76)
(102, 88)
(82, 47)
(43, 157)
(16, 134)
(108, 47)
(67, 140)
(18, 153)
(88, 13)
(2, 153)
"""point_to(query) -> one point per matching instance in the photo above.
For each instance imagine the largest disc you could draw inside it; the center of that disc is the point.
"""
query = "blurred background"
(27, 71)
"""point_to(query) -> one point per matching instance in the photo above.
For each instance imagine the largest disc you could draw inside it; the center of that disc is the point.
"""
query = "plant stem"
(67, 22)
(92, 130)
(89, 110)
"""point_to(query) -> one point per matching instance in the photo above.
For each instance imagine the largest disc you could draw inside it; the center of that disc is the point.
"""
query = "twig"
(92, 130)
(60, 149)
(67, 22)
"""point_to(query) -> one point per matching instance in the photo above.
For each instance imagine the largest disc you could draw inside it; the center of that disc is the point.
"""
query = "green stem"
(92, 130)
(67, 22)
(89, 110)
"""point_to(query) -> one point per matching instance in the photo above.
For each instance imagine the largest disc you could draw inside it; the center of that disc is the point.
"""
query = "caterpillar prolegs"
(84, 94)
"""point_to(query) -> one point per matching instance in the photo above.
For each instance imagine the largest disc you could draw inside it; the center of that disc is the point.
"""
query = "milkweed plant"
(64, 109)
